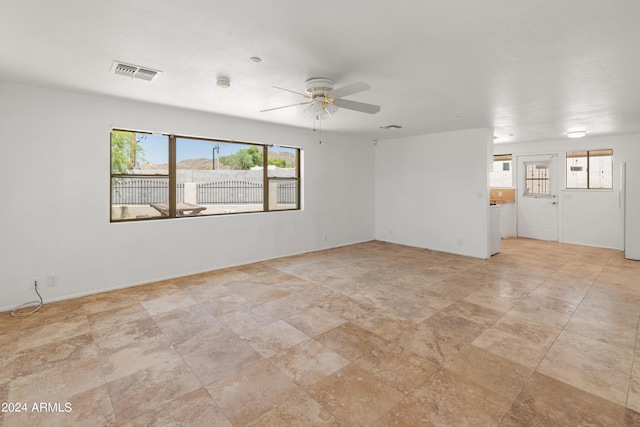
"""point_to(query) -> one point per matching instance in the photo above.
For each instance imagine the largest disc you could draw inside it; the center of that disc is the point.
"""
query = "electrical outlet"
(460, 241)
(52, 280)
(325, 237)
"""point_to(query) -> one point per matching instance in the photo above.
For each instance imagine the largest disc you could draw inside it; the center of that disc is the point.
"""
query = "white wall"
(55, 206)
(585, 217)
(432, 191)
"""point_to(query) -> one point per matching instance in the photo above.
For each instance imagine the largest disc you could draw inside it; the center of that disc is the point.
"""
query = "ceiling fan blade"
(347, 90)
(292, 91)
(357, 106)
(285, 106)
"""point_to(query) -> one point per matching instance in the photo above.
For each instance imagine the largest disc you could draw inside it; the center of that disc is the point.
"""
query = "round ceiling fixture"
(576, 133)
(255, 59)
(318, 86)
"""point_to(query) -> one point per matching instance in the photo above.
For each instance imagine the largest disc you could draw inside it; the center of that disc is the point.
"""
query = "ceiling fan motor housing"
(318, 86)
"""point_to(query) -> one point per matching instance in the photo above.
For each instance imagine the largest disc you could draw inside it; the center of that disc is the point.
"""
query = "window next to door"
(501, 176)
(591, 169)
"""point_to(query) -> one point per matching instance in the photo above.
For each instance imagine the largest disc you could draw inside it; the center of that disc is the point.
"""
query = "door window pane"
(537, 179)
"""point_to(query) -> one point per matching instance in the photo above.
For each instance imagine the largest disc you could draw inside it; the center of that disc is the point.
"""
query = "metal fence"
(287, 192)
(143, 191)
(229, 192)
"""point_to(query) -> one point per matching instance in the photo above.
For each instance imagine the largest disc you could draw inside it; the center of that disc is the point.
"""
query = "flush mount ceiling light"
(391, 127)
(255, 59)
(576, 133)
(134, 71)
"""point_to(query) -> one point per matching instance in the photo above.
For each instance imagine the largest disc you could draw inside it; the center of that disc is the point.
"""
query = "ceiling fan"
(324, 100)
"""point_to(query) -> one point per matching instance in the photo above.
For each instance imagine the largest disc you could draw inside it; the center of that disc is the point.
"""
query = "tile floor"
(370, 334)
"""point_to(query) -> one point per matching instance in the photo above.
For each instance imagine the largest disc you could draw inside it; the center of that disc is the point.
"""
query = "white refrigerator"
(632, 210)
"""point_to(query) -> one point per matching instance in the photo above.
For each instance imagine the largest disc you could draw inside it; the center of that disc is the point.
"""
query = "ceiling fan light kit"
(321, 110)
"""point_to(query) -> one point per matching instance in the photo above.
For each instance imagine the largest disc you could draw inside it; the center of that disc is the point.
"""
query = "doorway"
(538, 197)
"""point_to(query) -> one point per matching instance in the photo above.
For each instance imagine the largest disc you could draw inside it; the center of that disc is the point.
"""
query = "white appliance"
(632, 211)
(495, 228)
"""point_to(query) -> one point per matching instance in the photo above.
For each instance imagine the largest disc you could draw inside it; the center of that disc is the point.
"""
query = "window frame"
(268, 178)
(546, 179)
(172, 175)
(502, 158)
(574, 154)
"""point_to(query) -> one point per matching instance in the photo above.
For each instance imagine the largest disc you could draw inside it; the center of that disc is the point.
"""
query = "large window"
(167, 176)
(590, 169)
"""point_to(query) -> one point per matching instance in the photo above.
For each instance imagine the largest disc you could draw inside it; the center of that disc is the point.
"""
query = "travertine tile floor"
(370, 334)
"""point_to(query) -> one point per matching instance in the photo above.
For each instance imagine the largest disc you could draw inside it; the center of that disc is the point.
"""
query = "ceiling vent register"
(134, 71)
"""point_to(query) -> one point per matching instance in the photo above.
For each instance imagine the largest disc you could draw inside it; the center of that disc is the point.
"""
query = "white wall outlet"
(52, 280)
(460, 241)
(325, 237)
(391, 232)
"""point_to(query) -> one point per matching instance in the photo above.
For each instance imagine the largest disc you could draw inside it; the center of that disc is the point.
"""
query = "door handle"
(554, 203)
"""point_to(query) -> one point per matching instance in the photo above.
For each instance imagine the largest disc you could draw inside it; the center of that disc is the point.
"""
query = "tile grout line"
(565, 324)
(551, 345)
(440, 369)
(104, 377)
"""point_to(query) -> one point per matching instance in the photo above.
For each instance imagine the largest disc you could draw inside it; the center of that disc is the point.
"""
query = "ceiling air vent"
(134, 71)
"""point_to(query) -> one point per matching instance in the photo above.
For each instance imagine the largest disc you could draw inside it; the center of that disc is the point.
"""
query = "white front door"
(538, 197)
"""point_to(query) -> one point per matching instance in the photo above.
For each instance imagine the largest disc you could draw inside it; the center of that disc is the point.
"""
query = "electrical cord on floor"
(16, 311)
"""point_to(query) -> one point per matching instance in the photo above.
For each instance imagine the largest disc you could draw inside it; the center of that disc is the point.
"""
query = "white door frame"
(538, 214)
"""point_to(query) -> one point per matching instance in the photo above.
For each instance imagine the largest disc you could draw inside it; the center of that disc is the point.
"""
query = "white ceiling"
(530, 70)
